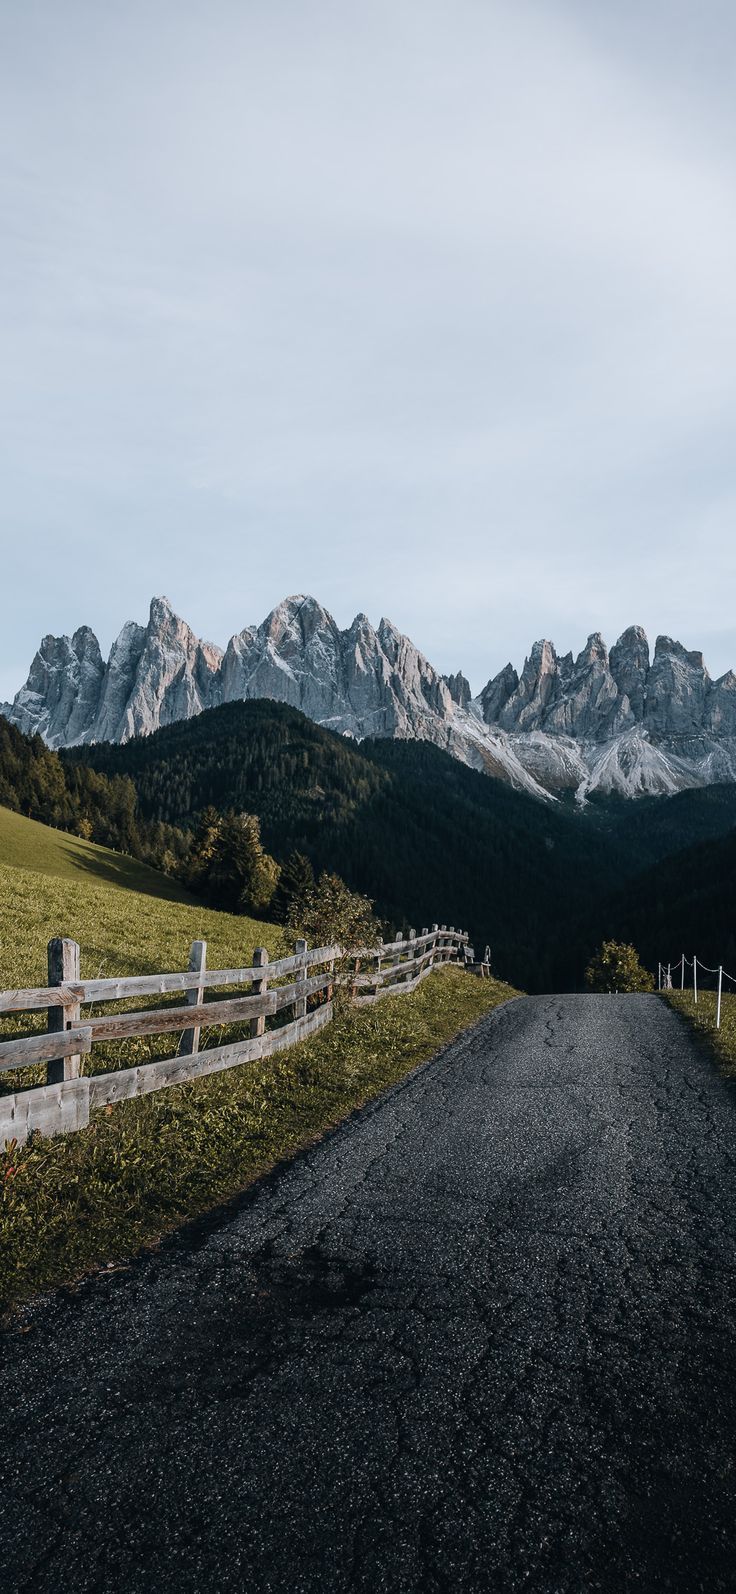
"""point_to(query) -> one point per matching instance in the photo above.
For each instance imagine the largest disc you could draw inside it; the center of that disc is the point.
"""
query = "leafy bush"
(616, 967)
(331, 914)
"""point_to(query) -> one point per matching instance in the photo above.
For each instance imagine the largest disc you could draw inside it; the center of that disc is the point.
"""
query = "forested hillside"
(409, 825)
(685, 903)
(417, 831)
(70, 795)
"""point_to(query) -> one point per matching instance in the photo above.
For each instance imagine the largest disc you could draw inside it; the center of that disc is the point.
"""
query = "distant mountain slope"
(602, 722)
(415, 828)
(683, 903)
(651, 829)
(402, 821)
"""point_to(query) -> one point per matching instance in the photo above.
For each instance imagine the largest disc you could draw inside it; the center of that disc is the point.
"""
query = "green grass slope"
(26, 844)
(701, 1015)
(128, 919)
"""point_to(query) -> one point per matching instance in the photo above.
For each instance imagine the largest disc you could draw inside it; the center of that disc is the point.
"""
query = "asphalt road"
(481, 1338)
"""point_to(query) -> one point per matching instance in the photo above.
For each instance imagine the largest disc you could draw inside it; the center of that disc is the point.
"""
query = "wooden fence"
(287, 1000)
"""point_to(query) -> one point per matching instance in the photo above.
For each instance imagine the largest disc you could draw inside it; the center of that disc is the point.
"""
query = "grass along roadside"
(702, 1017)
(147, 1165)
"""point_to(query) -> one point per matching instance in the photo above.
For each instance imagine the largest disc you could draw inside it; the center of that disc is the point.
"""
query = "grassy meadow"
(702, 1017)
(127, 919)
(145, 1166)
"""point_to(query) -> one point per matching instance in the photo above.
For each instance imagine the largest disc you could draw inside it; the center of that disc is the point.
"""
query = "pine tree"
(296, 881)
(241, 875)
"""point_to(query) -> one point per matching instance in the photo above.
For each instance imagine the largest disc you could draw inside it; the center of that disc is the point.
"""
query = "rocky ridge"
(618, 721)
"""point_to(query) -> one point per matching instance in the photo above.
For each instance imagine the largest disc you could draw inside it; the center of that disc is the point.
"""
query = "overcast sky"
(426, 308)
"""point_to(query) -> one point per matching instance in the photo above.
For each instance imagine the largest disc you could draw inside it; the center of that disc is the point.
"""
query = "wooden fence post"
(300, 1005)
(189, 1043)
(63, 966)
(412, 953)
(259, 988)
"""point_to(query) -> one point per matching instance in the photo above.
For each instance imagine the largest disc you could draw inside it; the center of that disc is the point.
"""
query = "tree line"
(221, 858)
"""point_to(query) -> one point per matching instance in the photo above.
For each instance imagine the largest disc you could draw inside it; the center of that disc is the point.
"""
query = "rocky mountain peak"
(543, 657)
(629, 662)
(496, 694)
(360, 626)
(665, 646)
(617, 721)
(633, 638)
(298, 616)
(458, 687)
(160, 612)
(594, 652)
(84, 642)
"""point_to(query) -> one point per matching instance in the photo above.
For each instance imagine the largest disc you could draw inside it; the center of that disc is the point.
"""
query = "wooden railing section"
(399, 966)
(294, 993)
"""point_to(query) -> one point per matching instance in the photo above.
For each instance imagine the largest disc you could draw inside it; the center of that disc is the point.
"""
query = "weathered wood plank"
(189, 1043)
(63, 965)
(34, 1000)
(35, 1048)
(118, 990)
(400, 988)
(458, 938)
(50, 1110)
(393, 972)
(128, 1082)
(165, 1020)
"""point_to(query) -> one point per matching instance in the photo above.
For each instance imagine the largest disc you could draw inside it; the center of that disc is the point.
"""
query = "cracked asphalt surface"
(480, 1338)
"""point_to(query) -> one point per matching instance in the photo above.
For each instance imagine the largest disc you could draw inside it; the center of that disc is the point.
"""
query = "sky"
(425, 307)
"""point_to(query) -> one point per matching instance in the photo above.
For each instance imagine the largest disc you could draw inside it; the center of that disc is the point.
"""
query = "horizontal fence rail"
(116, 990)
(672, 976)
(286, 1001)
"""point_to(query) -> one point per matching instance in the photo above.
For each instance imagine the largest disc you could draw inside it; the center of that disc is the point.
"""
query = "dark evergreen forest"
(424, 836)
